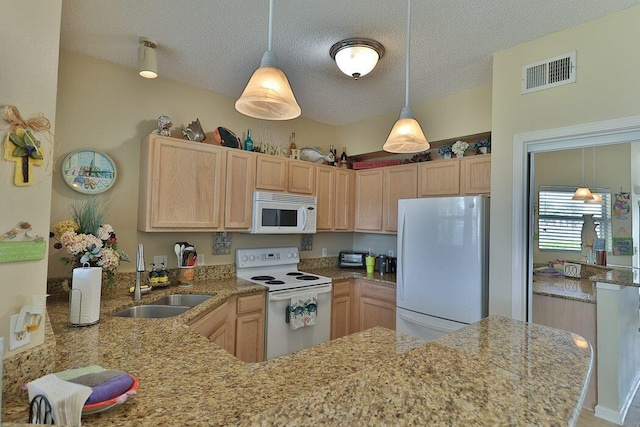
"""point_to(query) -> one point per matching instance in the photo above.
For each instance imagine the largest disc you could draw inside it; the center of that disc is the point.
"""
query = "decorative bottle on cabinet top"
(248, 143)
(343, 158)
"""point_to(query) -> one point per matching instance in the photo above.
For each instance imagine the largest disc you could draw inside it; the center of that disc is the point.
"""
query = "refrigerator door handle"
(400, 266)
(425, 325)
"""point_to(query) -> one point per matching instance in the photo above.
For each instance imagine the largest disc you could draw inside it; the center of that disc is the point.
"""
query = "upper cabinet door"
(325, 191)
(271, 173)
(241, 178)
(368, 215)
(400, 182)
(302, 177)
(181, 185)
(345, 199)
(476, 175)
(439, 178)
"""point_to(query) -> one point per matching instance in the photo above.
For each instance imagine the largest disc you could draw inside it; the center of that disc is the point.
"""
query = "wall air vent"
(549, 73)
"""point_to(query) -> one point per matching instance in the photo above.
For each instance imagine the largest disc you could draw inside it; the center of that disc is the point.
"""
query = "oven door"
(281, 339)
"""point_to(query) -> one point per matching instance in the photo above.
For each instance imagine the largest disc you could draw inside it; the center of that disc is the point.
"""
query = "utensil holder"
(186, 275)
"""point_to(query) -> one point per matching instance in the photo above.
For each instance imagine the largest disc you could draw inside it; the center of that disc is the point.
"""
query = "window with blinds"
(560, 218)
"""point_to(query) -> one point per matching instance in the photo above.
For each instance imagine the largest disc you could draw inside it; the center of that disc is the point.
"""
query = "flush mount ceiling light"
(356, 57)
(406, 135)
(583, 192)
(268, 95)
(147, 61)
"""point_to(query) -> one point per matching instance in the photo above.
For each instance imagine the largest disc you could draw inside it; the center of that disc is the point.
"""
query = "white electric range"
(277, 269)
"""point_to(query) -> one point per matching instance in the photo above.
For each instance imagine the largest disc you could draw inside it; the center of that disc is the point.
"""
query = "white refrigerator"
(443, 264)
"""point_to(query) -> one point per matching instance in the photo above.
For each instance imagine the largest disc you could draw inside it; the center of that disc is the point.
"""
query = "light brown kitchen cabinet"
(240, 184)
(342, 308)
(377, 195)
(368, 212)
(344, 200)
(399, 182)
(325, 192)
(573, 316)
(302, 177)
(439, 178)
(359, 304)
(249, 327)
(376, 305)
(181, 185)
(475, 174)
(271, 173)
(236, 325)
(216, 327)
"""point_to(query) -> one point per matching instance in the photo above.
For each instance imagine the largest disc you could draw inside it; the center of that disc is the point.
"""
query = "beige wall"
(565, 168)
(606, 88)
(108, 107)
(460, 114)
(30, 34)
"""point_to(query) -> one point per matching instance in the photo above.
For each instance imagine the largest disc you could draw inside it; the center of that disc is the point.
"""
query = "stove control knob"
(244, 258)
(252, 258)
(295, 255)
(289, 255)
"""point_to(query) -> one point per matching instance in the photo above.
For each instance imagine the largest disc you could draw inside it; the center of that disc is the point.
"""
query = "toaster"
(352, 259)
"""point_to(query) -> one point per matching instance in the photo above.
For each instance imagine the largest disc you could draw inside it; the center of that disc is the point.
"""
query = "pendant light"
(597, 199)
(406, 135)
(268, 95)
(582, 193)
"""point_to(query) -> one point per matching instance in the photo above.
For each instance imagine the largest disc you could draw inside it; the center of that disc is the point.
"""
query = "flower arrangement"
(88, 239)
(459, 147)
(482, 146)
(444, 149)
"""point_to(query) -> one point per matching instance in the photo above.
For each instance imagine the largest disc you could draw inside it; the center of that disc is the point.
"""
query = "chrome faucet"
(137, 294)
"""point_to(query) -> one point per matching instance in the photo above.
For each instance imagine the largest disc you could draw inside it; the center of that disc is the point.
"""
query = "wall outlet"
(200, 259)
(16, 341)
(158, 260)
(391, 253)
(324, 252)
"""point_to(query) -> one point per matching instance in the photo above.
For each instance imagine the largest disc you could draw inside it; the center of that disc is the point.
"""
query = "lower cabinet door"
(341, 316)
(250, 337)
(222, 338)
(376, 312)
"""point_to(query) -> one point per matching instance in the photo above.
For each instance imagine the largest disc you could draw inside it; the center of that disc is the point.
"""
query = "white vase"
(447, 155)
(460, 155)
(483, 150)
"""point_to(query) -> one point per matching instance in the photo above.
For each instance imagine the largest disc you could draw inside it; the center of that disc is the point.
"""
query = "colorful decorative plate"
(89, 171)
(108, 404)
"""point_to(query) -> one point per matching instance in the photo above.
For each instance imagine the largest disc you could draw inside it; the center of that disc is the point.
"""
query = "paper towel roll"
(86, 288)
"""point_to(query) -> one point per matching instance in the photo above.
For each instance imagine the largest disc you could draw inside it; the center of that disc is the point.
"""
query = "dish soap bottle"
(153, 276)
(163, 275)
(248, 143)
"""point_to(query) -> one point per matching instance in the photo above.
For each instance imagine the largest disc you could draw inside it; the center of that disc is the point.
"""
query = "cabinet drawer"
(210, 322)
(342, 288)
(250, 303)
(374, 290)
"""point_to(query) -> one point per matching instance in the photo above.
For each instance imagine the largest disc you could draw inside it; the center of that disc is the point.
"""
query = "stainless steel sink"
(152, 311)
(189, 300)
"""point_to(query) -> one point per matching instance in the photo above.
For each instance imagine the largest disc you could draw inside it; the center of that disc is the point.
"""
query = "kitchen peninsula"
(488, 373)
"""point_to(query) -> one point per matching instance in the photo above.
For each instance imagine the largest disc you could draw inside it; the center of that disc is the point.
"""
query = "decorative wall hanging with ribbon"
(21, 146)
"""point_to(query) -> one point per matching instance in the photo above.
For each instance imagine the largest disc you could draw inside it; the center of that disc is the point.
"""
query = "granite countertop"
(488, 373)
(625, 277)
(337, 274)
(570, 288)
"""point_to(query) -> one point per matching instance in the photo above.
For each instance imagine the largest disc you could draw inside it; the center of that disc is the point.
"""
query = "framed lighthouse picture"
(89, 171)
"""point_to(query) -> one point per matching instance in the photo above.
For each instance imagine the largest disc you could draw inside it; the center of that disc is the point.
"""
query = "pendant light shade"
(147, 60)
(583, 192)
(406, 135)
(268, 95)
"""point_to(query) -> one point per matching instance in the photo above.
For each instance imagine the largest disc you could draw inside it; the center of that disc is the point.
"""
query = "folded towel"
(113, 388)
(106, 384)
(302, 310)
(95, 379)
(66, 398)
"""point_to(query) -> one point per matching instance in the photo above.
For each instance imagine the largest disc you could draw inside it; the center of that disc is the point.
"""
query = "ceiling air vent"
(549, 73)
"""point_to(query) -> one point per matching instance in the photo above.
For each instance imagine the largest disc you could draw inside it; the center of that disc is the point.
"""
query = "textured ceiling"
(217, 44)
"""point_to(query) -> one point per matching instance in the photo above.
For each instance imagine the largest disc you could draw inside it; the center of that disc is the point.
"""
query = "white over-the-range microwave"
(280, 213)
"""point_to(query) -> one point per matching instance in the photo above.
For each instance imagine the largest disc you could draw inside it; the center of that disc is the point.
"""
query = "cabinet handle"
(400, 265)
